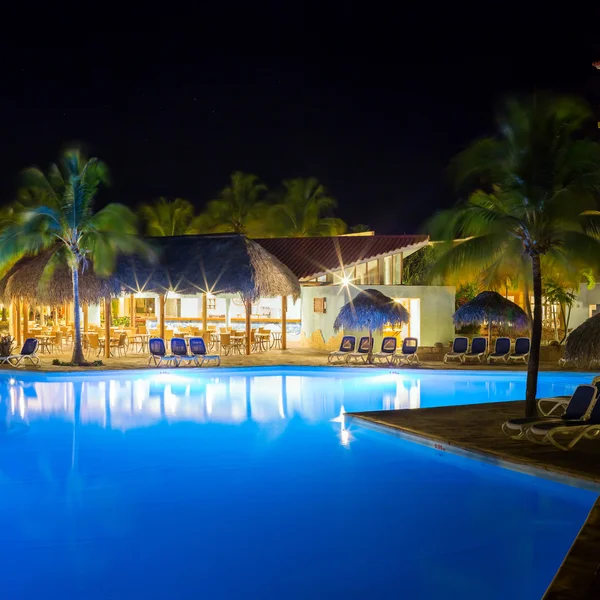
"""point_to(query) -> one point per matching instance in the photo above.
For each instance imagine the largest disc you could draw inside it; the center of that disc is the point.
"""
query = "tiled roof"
(312, 257)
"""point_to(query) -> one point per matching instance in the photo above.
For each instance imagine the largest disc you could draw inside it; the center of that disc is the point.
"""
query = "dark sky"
(372, 104)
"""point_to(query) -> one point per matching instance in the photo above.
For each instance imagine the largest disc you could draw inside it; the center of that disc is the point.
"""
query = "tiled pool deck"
(475, 430)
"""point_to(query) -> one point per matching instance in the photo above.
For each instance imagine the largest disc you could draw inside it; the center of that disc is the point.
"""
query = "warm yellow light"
(346, 280)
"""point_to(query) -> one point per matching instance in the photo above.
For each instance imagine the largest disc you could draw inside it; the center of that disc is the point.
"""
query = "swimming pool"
(246, 483)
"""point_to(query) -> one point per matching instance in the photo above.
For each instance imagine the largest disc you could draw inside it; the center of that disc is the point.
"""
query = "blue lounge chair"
(347, 345)
(388, 347)
(501, 350)
(28, 352)
(408, 354)
(581, 403)
(179, 349)
(477, 351)
(522, 348)
(365, 345)
(557, 405)
(572, 430)
(158, 353)
(198, 349)
(459, 346)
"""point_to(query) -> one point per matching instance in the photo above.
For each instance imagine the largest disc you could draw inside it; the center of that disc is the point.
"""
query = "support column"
(248, 305)
(284, 322)
(85, 317)
(12, 330)
(25, 320)
(18, 322)
(132, 311)
(204, 312)
(66, 312)
(107, 327)
(161, 316)
(227, 310)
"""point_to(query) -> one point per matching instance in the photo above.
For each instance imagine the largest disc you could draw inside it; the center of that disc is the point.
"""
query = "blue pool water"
(247, 484)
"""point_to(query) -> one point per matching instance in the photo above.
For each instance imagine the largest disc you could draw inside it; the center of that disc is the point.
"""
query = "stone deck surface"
(476, 428)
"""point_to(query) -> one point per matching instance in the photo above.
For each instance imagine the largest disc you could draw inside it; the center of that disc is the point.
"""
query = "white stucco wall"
(437, 308)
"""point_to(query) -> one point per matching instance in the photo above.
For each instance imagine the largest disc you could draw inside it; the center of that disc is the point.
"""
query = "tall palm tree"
(239, 208)
(534, 185)
(62, 216)
(171, 217)
(302, 208)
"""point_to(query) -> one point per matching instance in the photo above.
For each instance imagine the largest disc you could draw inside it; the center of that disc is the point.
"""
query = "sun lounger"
(179, 349)
(198, 348)
(459, 346)
(408, 354)
(388, 347)
(579, 407)
(477, 351)
(347, 345)
(28, 352)
(565, 433)
(521, 352)
(501, 351)
(557, 405)
(158, 353)
(365, 345)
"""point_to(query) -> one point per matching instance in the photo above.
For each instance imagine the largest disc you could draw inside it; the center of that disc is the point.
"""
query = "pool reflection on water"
(247, 483)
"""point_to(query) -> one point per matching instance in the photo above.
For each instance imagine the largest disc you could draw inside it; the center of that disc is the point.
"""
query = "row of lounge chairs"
(197, 354)
(580, 419)
(388, 353)
(28, 353)
(479, 350)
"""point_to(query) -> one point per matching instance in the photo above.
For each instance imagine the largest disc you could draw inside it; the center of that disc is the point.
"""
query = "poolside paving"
(476, 429)
(294, 356)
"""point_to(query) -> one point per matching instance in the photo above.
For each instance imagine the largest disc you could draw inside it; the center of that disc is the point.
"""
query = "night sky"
(376, 116)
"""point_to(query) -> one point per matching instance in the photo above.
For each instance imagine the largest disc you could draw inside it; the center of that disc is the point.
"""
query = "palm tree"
(239, 207)
(171, 217)
(302, 208)
(535, 185)
(62, 216)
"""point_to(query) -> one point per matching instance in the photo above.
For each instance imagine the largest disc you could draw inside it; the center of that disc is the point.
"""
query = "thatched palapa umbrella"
(372, 310)
(583, 344)
(490, 308)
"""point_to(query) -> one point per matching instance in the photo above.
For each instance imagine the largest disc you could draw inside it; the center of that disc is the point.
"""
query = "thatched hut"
(209, 264)
(371, 310)
(216, 263)
(583, 344)
(492, 309)
(24, 281)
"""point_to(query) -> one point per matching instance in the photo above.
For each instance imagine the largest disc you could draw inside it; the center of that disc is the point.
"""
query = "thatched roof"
(583, 344)
(23, 281)
(370, 309)
(220, 263)
(491, 306)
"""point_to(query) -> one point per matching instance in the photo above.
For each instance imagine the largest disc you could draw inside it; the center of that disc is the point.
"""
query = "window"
(387, 270)
(373, 271)
(145, 306)
(320, 305)
(172, 307)
(361, 274)
(397, 269)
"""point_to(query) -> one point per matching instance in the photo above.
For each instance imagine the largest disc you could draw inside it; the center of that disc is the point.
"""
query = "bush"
(121, 321)
(62, 363)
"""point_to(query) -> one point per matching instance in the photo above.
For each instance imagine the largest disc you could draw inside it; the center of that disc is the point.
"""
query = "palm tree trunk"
(78, 358)
(536, 338)
(370, 355)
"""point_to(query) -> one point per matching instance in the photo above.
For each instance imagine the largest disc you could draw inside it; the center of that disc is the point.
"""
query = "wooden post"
(18, 321)
(161, 316)
(204, 312)
(248, 304)
(85, 317)
(107, 327)
(132, 311)
(284, 322)
(25, 320)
